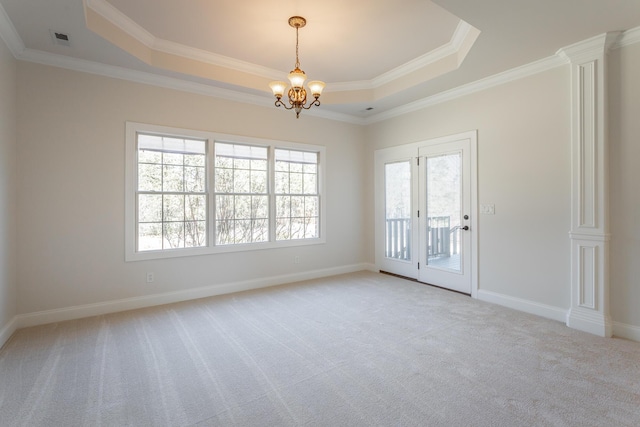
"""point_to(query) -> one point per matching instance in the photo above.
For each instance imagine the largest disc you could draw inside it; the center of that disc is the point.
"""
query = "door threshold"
(423, 283)
(398, 275)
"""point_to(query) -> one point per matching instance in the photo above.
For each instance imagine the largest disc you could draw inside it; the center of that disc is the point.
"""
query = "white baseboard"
(531, 307)
(630, 332)
(591, 321)
(88, 310)
(8, 330)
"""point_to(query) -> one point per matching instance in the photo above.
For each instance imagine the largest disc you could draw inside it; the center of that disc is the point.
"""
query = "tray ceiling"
(374, 55)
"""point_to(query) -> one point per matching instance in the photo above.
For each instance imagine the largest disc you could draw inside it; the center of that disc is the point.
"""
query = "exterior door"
(396, 212)
(426, 211)
(445, 215)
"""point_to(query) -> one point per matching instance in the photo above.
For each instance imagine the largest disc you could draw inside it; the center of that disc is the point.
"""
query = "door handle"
(465, 228)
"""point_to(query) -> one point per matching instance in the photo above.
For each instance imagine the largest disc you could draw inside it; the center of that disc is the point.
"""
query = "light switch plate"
(488, 209)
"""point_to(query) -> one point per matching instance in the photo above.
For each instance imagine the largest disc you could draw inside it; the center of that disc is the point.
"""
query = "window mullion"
(290, 200)
(210, 190)
(163, 195)
(184, 205)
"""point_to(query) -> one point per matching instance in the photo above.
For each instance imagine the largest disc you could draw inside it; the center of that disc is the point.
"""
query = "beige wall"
(523, 168)
(8, 213)
(71, 156)
(71, 184)
(624, 171)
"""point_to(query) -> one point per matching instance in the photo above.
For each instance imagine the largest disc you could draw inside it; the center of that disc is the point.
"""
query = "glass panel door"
(445, 232)
(425, 204)
(396, 213)
(444, 215)
(398, 210)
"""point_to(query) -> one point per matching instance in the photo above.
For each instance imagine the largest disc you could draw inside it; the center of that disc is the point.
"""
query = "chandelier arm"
(279, 103)
(314, 103)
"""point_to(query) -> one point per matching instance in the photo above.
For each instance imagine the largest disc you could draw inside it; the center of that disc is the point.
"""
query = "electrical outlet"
(296, 260)
(150, 277)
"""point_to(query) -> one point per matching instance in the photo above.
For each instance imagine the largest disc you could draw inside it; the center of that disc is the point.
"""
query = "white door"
(426, 211)
(446, 216)
(396, 211)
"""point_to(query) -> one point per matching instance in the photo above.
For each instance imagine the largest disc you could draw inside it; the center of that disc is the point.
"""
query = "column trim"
(589, 232)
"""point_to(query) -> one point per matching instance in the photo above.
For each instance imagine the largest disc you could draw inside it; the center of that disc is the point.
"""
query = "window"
(191, 193)
(297, 199)
(171, 195)
(242, 201)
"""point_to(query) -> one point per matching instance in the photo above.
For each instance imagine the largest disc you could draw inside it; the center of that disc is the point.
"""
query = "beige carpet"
(355, 350)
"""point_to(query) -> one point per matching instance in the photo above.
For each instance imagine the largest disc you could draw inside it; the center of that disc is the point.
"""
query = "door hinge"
(418, 214)
(418, 266)
(418, 160)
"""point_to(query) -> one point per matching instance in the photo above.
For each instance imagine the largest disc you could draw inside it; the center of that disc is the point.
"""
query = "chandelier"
(297, 93)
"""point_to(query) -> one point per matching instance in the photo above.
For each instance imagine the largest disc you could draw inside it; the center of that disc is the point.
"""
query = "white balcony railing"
(443, 240)
(398, 238)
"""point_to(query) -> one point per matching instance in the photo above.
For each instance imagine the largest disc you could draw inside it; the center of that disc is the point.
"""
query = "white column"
(589, 186)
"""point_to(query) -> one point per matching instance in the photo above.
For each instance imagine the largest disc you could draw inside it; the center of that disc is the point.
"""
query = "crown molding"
(461, 34)
(470, 88)
(130, 27)
(111, 71)
(612, 40)
(463, 30)
(451, 48)
(587, 49)
(9, 34)
(629, 37)
(15, 44)
(414, 65)
(215, 59)
(122, 21)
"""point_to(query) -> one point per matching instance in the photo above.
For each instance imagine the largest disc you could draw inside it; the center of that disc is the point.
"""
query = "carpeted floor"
(362, 349)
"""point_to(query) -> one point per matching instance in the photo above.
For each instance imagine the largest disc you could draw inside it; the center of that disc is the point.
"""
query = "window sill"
(132, 256)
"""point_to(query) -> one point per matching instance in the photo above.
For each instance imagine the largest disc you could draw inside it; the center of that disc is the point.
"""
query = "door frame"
(411, 151)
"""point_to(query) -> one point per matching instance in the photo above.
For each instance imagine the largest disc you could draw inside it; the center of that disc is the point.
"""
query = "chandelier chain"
(297, 60)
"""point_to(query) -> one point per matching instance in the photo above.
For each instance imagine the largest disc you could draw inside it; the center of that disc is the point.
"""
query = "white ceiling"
(372, 53)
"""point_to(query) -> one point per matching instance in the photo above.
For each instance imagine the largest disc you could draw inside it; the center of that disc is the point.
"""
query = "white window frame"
(131, 165)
